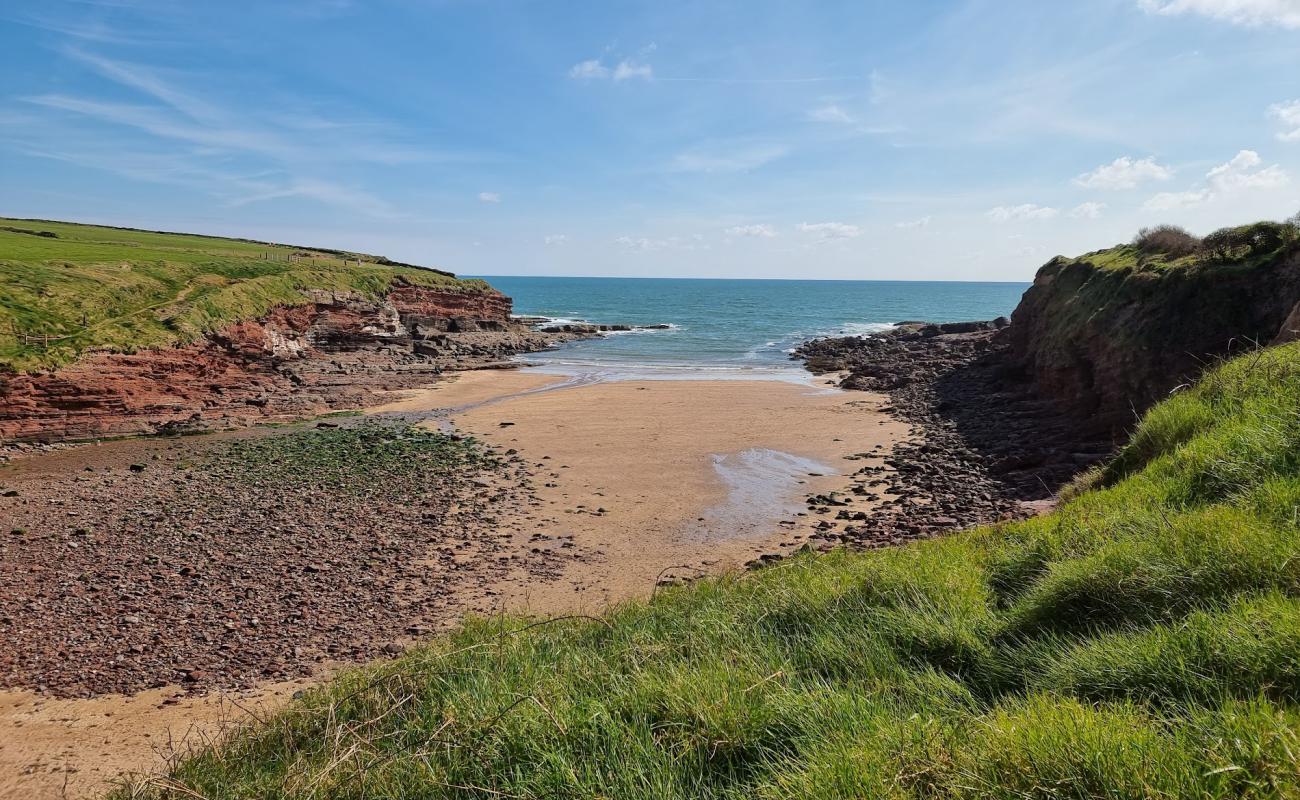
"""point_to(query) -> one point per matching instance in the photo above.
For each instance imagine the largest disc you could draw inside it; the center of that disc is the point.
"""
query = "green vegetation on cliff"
(1141, 642)
(1168, 247)
(67, 288)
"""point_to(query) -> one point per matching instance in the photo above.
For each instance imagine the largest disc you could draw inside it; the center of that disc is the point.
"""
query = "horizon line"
(485, 276)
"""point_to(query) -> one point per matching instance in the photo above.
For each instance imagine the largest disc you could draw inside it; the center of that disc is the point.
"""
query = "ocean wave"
(861, 328)
(671, 327)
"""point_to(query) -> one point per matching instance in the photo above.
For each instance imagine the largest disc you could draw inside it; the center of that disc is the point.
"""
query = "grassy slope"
(122, 290)
(1143, 641)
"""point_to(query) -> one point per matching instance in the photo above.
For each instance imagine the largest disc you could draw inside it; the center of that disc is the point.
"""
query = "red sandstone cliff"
(336, 352)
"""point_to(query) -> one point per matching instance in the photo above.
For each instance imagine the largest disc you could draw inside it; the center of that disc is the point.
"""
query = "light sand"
(51, 748)
(644, 451)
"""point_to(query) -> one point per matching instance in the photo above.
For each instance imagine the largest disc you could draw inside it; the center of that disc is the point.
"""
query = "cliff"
(107, 332)
(1109, 334)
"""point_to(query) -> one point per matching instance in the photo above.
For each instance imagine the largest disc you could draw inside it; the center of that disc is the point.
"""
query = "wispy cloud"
(641, 243)
(1167, 201)
(620, 69)
(1021, 213)
(209, 145)
(752, 231)
(1088, 210)
(1251, 13)
(737, 158)
(1124, 173)
(1289, 115)
(325, 192)
(554, 239)
(589, 69)
(913, 224)
(489, 197)
(825, 232)
(830, 113)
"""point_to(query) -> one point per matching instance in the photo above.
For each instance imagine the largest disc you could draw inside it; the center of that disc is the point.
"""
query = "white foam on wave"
(603, 371)
(670, 329)
(861, 328)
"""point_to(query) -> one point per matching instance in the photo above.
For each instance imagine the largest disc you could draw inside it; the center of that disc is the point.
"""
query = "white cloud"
(830, 231)
(1026, 211)
(1124, 173)
(755, 231)
(741, 159)
(1166, 201)
(1088, 210)
(1243, 173)
(586, 70)
(923, 222)
(630, 69)
(880, 87)
(489, 197)
(831, 113)
(555, 239)
(1289, 115)
(1251, 13)
(641, 243)
(626, 69)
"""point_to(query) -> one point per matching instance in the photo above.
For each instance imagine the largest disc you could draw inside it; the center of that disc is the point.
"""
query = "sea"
(721, 328)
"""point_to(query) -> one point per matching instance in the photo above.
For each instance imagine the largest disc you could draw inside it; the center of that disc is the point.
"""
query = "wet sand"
(657, 479)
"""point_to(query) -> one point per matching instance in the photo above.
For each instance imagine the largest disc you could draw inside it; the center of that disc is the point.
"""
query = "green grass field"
(1141, 642)
(93, 288)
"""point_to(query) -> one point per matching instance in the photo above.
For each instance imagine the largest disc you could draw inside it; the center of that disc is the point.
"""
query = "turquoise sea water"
(735, 326)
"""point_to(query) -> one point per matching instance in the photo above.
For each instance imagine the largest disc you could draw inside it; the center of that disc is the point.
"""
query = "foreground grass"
(88, 287)
(1142, 642)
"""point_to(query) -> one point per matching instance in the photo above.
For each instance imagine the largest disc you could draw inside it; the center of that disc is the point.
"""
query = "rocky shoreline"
(252, 556)
(986, 446)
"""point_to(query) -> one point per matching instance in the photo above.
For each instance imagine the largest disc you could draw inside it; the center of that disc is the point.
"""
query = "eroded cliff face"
(1107, 344)
(339, 351)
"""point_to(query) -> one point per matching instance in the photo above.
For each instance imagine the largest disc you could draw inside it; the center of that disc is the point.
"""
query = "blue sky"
(926, 140)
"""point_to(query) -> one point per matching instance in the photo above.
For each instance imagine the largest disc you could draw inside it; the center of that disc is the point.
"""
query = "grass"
(96, 288)
(1141, 642)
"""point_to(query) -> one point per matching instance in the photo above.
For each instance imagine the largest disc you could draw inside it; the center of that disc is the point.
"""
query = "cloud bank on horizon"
(970, 139)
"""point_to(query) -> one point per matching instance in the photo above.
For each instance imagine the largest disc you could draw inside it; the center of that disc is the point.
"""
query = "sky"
(963, 140)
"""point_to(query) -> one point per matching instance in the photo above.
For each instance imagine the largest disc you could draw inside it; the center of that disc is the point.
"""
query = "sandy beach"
(650, 480)
(665, 478)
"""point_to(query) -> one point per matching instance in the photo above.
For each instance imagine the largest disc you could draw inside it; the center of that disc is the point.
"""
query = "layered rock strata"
(338, 351)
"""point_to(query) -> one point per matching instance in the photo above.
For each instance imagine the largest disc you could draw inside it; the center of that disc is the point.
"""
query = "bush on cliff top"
(90, 288)
(1163, 248)
(1140, 642)
(1169, 240)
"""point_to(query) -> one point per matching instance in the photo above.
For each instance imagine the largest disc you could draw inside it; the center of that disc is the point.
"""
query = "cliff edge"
(1109, 334)
(111, 331)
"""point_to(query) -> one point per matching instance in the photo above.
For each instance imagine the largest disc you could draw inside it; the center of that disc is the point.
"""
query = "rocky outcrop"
(985, 441)
(339, 351)
(1108, 343)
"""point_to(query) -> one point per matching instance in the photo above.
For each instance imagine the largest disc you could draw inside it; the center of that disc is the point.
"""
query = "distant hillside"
(67, 288)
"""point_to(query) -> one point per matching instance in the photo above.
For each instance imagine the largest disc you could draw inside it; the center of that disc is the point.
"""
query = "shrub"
(1233, 244)
(1167, 239)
